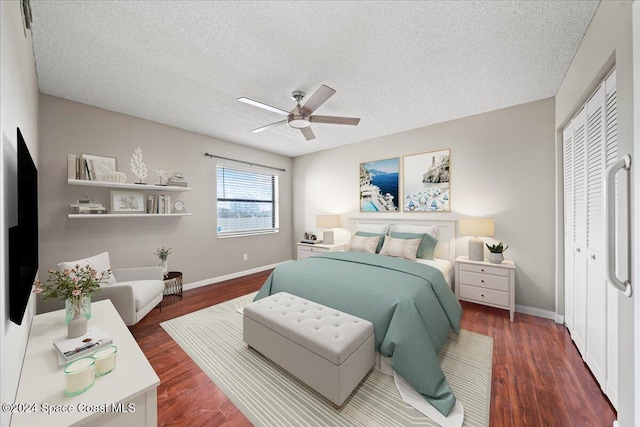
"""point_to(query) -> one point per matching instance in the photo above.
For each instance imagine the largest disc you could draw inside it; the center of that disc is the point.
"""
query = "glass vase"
(81, 304)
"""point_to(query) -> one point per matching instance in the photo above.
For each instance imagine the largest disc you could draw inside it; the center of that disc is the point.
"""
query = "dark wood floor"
(538, 379)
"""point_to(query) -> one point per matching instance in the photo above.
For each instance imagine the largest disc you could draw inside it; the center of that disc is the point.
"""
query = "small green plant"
(497, 249)
(163, 253)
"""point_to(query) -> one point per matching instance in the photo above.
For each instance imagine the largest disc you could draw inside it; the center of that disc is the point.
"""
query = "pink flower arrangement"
(74, 283)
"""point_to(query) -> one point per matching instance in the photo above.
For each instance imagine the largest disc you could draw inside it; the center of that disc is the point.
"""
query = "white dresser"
(486, 283)
(133, 383)
(305, 250)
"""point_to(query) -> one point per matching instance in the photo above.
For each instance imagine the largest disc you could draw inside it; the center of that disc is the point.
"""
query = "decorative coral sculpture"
(137, 165)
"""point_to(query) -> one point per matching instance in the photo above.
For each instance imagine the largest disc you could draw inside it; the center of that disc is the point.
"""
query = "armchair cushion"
(144, 291)
(99, 262)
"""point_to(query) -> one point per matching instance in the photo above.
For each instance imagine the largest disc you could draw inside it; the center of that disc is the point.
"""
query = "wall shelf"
(142, 215)
(126, 185)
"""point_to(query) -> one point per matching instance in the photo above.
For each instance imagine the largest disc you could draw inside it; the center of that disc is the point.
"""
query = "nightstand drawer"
(484, 280)
(307, 252)
(312, 250)
(496, 271)
(484, 295)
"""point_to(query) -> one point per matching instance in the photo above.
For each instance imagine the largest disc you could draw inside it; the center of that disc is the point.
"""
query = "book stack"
(72, 170)
(177, 180)
(159, 204)
(86, 206)
(70, 349)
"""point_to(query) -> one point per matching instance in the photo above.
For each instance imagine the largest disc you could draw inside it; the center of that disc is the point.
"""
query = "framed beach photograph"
(98, 168)
(425, 183)
(127, 202)
(379, 185)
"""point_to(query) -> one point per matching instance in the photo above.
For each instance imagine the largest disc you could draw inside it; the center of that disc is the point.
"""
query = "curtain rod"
(242, 161)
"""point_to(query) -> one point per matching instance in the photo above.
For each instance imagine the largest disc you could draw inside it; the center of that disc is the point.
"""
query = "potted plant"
(495, 252)
(75, 287)
(163, 254)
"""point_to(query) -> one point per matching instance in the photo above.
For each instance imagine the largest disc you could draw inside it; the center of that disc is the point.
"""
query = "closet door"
(567, 155)
(611, 156)
(579, 332)
(596, 337)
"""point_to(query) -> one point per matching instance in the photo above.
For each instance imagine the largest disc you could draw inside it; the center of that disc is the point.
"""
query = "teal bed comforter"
(410, 305)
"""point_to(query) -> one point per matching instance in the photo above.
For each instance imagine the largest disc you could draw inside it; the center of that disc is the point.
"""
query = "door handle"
(610, 224)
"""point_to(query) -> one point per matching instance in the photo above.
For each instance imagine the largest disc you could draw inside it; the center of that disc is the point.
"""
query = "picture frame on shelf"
(178, 207)
(426, 182)
(98, 168)
(131, 202)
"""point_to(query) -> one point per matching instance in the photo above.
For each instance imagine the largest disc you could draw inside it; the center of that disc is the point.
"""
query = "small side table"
(486, 283)
(173, 283)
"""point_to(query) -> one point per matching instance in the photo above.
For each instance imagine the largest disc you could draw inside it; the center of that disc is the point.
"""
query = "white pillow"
(419, 229)
(372, 228)
(98, 262)
(402, 248)
(364, 244)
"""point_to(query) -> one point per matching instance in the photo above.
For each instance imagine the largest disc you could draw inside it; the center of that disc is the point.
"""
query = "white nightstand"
(486, 283)
(305, 250)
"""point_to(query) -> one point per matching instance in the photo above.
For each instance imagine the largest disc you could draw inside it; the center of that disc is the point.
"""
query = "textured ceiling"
(396, 65)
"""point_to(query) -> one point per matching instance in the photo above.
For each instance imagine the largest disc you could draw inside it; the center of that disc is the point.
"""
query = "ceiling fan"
(300, 117)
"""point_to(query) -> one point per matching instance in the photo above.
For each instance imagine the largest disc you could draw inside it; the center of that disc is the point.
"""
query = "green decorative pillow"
(367, 234)
(427, 245)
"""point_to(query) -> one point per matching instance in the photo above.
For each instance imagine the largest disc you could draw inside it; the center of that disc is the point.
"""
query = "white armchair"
(134, 292)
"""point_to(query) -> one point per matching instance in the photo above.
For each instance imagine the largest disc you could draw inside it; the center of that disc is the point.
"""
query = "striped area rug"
(268, 396)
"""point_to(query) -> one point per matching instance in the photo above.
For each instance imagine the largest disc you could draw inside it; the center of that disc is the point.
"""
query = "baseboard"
(219, 279)
(545, 314)
(616, 424)
(559, 319)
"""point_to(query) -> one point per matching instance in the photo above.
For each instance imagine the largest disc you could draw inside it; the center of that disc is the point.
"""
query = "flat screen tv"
(22, 221)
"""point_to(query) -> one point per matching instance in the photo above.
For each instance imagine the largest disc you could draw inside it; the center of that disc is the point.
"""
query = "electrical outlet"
(244, 257)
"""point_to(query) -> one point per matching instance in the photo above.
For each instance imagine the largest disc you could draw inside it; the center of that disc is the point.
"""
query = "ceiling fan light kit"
(301, 116)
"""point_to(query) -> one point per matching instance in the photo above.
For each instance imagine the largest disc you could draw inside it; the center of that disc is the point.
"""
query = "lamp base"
(476, 249)
(327, 237)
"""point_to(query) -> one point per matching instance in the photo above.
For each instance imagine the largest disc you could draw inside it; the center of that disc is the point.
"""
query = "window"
(247, 202)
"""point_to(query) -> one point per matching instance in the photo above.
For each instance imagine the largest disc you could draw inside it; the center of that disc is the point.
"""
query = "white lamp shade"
(328, 221)
(476, 227)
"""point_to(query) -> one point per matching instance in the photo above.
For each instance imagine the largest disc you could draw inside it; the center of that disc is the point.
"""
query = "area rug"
(269, 396)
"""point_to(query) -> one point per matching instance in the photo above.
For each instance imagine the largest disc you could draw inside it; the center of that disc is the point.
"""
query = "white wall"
(18, 108)
(502, 165)
(608, 41)
(71, 127)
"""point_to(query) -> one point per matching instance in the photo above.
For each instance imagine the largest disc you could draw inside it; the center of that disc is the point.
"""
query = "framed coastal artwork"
(425, 182)
(127, 202)
(98, 168)
(379, 185)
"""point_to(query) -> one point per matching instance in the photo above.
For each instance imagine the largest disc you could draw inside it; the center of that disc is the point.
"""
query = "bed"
(411, 304)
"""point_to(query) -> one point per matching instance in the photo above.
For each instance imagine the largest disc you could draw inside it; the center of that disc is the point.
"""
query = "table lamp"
(476, 227)
(328, 222)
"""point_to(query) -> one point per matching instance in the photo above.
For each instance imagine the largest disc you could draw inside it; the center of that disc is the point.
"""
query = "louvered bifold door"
(611, 156)
(596, 341)
(567, 156)
(579, 332)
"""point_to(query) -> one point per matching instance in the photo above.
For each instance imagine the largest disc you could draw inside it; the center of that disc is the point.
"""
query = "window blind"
(247, 201)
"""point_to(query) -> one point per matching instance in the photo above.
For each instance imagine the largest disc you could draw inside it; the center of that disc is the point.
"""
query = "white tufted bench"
(329, 350)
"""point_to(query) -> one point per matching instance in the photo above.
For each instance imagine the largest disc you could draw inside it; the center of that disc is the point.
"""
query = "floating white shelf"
(83, 216)
(127, 185)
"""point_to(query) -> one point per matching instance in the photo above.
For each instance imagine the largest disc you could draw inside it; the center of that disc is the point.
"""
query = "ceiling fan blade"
(335, 120)
(317, 99)
(308, 133)
(263, 105)
(272, 125)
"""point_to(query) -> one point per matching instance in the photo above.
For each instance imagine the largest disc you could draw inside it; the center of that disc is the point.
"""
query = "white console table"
(133, 382)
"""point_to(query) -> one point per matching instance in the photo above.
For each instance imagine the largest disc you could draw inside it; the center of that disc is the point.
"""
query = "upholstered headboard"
(446, 233)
